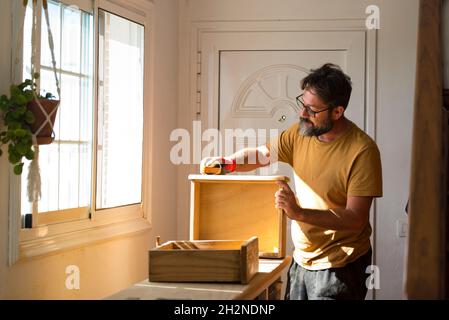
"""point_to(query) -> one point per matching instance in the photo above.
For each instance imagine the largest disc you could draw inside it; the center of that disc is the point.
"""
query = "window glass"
(120, 114)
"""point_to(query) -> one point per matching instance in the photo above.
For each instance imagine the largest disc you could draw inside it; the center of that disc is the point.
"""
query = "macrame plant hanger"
(34, 178)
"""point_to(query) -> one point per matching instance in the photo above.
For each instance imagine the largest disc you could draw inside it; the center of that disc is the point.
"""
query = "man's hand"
(285, 199)
(217, 165)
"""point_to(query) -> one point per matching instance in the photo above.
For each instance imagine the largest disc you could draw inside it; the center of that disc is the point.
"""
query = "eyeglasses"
(309, 110)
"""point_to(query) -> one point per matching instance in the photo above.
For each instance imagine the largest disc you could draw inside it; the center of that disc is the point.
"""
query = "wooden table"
(265, 285)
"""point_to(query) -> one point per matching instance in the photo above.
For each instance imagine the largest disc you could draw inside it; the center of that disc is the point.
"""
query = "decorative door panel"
(258, 88)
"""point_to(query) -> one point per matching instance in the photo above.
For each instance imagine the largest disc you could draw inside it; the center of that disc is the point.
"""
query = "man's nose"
(303, 113)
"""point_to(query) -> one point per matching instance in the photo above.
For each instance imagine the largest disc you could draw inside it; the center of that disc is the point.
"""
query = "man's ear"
(337, 113)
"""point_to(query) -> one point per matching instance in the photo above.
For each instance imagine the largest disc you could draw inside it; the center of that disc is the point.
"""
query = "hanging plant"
(17, 120)
(23, 119)
(29, 117)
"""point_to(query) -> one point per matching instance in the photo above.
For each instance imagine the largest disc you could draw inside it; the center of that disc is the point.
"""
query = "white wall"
(111, 265)
(396, 83)
(396, 56)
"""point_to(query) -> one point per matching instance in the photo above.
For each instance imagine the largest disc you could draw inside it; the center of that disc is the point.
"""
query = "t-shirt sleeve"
(366, 174)
(281, 147)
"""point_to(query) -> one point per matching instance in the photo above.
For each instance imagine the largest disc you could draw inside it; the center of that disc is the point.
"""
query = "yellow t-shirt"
(326, 173)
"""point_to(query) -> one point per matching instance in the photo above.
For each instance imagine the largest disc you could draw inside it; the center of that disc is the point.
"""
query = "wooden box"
(204, 261)
(238, 207)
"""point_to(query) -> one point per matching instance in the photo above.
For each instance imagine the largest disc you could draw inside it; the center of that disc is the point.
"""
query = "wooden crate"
(204, 261)
(238, 207)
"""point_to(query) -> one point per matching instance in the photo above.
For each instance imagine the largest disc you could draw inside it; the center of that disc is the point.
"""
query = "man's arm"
(249, 159)
(354, 217)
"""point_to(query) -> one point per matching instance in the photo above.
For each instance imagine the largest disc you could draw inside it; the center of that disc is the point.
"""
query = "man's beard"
(307, 128)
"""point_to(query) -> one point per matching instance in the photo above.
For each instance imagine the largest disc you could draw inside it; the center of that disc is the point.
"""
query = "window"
(94, 183)
(66, 163)
(94, 166)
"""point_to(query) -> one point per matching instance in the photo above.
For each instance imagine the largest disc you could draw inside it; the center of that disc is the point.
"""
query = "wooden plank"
(194, 209)
(249, 261)
(217, 244)
(282, 217)
(426, 252)
(236, 178)
(195, 266)
(167, 246)
(186, 245)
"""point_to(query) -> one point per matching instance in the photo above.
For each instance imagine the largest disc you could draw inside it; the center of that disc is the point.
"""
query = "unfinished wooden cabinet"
(204, 261)
(233, 223)
(238, 207)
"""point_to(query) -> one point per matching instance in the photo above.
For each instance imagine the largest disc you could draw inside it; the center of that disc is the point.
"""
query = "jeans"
(348, 282)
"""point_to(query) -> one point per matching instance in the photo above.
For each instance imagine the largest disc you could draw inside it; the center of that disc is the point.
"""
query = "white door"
(249, 80)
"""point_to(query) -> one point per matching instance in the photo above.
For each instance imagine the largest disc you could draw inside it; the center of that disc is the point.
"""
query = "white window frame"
(106, 223)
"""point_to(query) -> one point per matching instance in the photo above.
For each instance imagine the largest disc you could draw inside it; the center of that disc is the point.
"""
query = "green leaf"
(20, 133)
(29, 117)
(30, 154)
(4, 102)
(14, 157)
(22, 148)
(18, 168)
(13, 116)
(15, 90)
(20, 99)
(14, 125)
(28, 95)
(21, 110)
(11, 134)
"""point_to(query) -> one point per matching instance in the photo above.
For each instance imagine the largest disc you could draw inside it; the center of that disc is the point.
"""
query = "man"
(337, 174)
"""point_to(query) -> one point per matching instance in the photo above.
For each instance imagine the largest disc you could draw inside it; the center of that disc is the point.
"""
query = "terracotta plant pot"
(46, 135)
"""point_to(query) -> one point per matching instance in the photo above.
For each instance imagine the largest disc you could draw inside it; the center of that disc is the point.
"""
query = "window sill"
(51, 244)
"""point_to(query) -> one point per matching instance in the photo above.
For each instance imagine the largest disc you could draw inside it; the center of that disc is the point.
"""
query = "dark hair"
(330, 84)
